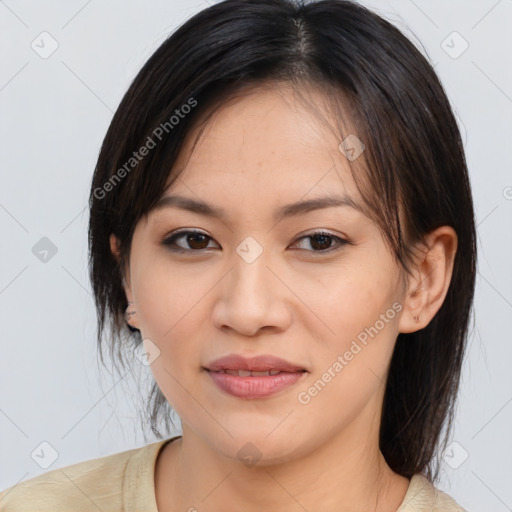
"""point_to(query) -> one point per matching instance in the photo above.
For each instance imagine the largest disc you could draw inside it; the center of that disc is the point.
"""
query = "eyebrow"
(289, 210)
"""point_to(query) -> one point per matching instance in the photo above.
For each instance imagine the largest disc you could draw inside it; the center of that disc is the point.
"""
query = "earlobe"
(413, 316)
(130, 314)
(427, 289)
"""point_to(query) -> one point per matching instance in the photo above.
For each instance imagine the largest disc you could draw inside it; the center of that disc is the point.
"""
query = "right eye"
(196, 240)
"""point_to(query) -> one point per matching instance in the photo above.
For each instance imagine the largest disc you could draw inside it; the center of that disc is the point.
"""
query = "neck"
(341, 474)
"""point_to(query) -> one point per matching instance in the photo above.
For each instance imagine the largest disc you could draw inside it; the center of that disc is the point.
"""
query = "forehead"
(272, 141)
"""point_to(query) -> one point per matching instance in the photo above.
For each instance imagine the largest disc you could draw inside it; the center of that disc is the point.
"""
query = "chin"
(255, 447)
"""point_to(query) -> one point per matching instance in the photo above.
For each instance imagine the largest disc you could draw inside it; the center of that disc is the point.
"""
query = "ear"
(130, 314)
(427, 288)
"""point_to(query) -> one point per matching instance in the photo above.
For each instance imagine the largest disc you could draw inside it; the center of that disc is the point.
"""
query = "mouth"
(258, 366)
(256, 377)
(249, 373)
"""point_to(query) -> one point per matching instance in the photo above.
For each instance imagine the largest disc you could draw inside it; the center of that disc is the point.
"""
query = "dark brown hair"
(414, 164)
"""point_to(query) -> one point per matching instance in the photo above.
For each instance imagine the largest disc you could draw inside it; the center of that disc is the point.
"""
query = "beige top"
(125, 482)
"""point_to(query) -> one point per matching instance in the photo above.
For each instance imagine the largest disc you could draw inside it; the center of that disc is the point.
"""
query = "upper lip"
(260, 363)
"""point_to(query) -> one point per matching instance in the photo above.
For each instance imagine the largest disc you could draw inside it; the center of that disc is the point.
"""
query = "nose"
(252, 297)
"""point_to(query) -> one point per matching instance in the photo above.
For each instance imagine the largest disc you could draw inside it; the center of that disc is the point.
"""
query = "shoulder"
(96, 484)
(423, 496)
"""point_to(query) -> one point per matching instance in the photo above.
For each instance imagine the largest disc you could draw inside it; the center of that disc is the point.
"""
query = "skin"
(262, 151)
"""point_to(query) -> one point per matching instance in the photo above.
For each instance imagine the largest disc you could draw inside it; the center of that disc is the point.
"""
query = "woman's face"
(255, 282)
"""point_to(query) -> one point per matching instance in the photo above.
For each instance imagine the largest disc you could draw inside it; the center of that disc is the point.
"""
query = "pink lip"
(254, 386)
(259, 363)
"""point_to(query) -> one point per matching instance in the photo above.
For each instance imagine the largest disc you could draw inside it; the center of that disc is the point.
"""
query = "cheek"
(171, 315)
(168, 297)
(354, 298)
(169, 311)
(361, 310)
(350, 366)
(172, 310)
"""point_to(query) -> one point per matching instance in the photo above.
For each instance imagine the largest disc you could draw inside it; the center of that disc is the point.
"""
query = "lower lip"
(254, 387)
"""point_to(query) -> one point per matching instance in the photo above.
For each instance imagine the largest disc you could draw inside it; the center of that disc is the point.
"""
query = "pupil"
(196, 236)
(324, 241)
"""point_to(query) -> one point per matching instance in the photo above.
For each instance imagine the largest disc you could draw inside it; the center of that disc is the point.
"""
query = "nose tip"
(249, 299)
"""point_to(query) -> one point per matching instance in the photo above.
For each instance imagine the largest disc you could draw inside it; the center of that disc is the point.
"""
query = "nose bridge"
(250, 274)
(249, 298)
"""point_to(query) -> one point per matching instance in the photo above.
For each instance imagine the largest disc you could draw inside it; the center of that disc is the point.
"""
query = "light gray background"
(54, 114)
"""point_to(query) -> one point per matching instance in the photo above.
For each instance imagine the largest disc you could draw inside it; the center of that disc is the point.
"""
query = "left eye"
(322, 242)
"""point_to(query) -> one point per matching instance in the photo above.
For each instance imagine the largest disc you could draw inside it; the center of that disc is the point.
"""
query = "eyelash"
(169, 241)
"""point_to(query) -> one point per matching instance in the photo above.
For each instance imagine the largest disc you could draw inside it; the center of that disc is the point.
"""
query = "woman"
(281, 227)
